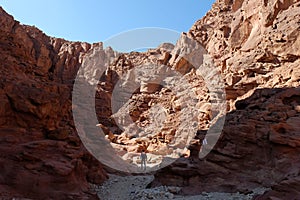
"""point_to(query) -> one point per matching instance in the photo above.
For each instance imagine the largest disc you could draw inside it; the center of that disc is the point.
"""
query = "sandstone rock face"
(156, 96)
(255, 46)
(257, 147)
(41, 154)
(286, 189)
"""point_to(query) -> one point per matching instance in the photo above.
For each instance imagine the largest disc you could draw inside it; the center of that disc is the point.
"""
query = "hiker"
(204, 142)
(143, 160)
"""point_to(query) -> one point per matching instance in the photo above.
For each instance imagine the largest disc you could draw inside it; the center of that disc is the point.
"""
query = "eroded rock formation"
(255, 46)
(258, 147)
(41, 154)
(156, 112)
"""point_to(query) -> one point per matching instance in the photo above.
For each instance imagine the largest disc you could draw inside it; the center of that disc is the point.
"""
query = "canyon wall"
(254, 45)
(41, 154)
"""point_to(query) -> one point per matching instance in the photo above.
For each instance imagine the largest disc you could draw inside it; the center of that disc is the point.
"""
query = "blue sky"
(97, 20)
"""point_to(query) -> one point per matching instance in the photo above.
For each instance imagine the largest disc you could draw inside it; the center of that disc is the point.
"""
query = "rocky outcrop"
(258, 144)
(286, 189)
(255, 46)
(157, 105)
(41, 154)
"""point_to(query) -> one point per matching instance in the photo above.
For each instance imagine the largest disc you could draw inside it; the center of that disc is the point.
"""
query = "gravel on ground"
(134, 188)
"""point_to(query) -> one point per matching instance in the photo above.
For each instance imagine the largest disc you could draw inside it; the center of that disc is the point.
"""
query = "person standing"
(204, 142)
(143, 160)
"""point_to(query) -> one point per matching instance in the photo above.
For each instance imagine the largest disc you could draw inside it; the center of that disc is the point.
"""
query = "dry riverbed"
(134, 187)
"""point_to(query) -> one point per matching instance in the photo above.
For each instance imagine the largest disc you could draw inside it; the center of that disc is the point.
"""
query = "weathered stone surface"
(41, 154)
(255, 53)
(286, 189)
(255, 45)
(249, 153)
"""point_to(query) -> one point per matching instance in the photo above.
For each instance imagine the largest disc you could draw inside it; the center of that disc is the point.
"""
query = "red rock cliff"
(256, 46)
(41, 154)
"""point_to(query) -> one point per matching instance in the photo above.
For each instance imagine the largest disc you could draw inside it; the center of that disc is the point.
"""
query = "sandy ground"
(134, 188)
